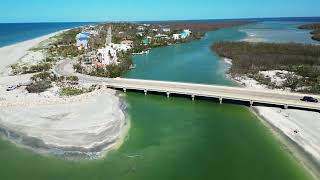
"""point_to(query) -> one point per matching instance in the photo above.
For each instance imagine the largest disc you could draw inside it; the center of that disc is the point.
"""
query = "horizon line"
(176, 20)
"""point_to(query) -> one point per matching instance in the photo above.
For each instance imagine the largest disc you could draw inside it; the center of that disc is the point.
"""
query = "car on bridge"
(309, 99)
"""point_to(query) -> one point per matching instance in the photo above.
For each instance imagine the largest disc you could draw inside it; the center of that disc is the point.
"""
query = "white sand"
(11, 54)
(227, 61)
(287, 121)
(89, 123)
(306, 123)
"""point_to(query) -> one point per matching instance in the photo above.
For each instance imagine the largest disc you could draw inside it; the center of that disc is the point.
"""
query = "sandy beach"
(11, 54)
(301, 127)
(91, 123)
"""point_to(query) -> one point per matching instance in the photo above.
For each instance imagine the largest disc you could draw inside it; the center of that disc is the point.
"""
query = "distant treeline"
(316, 30)
(250, 58)
(202, 26)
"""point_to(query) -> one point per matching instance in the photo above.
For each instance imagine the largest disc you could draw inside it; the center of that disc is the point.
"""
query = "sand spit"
(84, 126)
(11, 54)
(89, 123)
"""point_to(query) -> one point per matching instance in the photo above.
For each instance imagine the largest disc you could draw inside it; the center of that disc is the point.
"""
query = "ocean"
(11, 33)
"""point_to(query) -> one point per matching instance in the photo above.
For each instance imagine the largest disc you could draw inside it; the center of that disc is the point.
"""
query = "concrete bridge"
(221, 93)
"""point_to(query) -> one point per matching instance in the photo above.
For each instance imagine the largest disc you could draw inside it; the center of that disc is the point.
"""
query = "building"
(176, 36)
(162, 36)
(187, 31)
(82, 40)
(106, 56)
(127, 42)
(184, 35)
(140, 28)
(121, 47)
(166, 29)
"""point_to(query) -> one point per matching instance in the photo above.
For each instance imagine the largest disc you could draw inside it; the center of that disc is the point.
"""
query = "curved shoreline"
(89, 137)
(37, 128)
(304, 158)
(298, 150)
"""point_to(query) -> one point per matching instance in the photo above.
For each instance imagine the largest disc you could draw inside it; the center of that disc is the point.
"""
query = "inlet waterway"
(175, 138)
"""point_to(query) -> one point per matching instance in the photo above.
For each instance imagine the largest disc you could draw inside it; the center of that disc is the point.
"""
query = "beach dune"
(12, 53)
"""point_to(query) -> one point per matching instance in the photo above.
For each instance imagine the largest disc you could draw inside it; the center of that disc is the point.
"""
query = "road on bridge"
(268, 97)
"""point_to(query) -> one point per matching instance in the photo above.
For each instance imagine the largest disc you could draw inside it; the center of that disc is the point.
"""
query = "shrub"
(73, 80)
(39, 86)
(40, 68)
(71, 91)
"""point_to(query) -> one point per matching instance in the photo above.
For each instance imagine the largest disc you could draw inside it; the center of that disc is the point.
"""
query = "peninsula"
(315, 30)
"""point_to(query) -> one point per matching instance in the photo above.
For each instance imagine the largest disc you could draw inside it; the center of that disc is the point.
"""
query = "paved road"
(232, 93)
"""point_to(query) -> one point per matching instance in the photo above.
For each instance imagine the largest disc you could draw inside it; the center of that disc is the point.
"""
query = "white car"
(11, 88)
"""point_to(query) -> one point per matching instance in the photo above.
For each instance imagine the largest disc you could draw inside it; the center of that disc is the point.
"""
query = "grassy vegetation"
(250, 58)
(65, 44)
(71, 91)
(315, 27)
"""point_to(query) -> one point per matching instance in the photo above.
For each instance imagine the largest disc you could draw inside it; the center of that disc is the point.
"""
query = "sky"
(148, 10)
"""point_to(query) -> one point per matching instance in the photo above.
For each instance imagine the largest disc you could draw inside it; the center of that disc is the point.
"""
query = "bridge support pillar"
(193, 97)
(124, 90)
(145, 92)
(220, 100)
(251, 104)
(286, 106)
(168, 95)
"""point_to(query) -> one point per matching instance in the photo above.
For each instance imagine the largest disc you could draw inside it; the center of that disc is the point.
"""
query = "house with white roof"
(166, 29)
(140, 28)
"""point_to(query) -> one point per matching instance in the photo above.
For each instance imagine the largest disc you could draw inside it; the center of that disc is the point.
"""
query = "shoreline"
(12, 53)
(297, 152)
(41, 129)
(68, 127)
(297, 148)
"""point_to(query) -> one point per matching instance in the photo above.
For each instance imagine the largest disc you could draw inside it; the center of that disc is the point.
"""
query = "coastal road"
(251, 96)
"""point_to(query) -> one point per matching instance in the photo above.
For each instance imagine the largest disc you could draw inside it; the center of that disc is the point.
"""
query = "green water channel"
(174, 138)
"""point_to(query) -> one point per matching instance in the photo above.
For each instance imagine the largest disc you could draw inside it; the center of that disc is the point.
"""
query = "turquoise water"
(278, 32)
(192, 62)
(175, 138)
